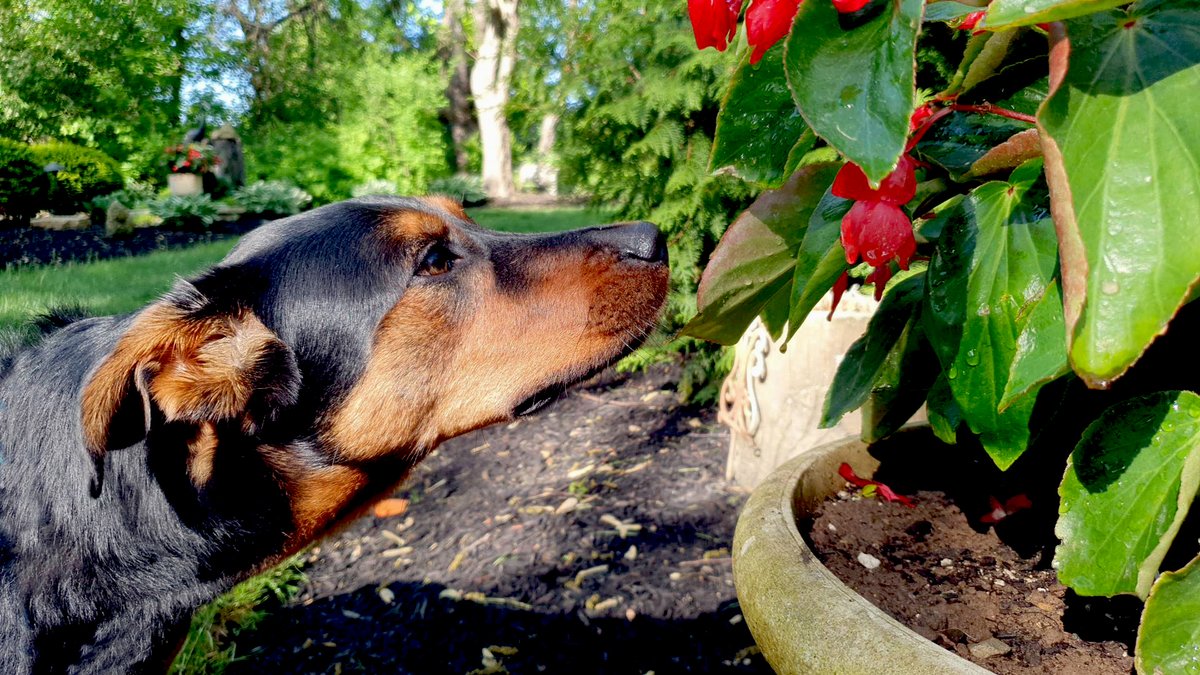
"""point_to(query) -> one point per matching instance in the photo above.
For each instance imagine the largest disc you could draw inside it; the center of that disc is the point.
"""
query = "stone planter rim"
(804, 619)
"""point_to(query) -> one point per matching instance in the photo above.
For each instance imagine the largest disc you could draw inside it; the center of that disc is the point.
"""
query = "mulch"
(25, 246)
(592, 537)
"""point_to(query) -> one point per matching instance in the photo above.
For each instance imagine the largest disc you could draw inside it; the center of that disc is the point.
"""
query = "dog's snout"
(640, 241)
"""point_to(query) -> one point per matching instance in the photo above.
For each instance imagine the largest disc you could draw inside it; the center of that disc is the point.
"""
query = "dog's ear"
(193, 364)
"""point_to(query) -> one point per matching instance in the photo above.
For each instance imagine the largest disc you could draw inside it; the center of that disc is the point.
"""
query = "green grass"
(105, 287)
(553, 219)
(210, 645)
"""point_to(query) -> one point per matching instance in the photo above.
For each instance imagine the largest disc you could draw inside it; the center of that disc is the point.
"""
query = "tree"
(458, 88)
(496, 26)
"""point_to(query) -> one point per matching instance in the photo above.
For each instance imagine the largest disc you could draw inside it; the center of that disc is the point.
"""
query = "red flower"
(839, 288)
(971, 20)
(714, 22)
(849, 6)
(767, 22)
(887, 493)
(898, 187)
(880, 232)
(876, 227)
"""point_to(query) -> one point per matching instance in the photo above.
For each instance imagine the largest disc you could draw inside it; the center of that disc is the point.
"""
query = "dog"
(149, 462)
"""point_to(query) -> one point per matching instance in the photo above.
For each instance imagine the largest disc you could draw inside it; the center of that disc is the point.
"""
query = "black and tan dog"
(148, 462)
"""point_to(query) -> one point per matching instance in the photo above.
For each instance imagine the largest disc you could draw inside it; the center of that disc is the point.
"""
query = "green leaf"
(1122, 143)
(775, 313)
(960, 140)
(988, 270)
(948, 10)
(1041, 354)
(866, 357)
(756, 257)
(942, 410)
(1126, 491)
(759, 129)
(855, 85)
(1170, 630)
(820, 260)
(1008, 13)
(908, 373)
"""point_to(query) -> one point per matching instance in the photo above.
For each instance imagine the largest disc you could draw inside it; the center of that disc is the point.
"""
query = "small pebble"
(989, 648)
(868, 561)
(946, 562)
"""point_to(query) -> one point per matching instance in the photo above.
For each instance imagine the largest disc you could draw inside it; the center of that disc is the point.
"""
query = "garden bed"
(952, 579)
(23, 246)
(511, 545)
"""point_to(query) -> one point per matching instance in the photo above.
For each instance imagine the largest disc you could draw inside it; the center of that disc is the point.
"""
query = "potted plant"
(1047, 153)
(187, 165)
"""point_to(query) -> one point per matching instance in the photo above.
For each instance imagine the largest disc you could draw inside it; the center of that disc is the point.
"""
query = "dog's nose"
(640, 240)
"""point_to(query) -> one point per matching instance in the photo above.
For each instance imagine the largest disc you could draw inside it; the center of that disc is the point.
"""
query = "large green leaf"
(1122, 143)
(989, 268)
(820, 260)
(866, 358)
(855, 85)
(1007, 13)
(1041, 354)
(1126, 491)
(759, 131)
(755, 258)
(1169, 636)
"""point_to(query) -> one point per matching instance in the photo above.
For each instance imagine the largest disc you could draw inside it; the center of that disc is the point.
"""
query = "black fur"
(105, 580)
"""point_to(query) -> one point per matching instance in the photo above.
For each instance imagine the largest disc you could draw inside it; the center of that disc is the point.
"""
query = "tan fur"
(447, 204)
(201, 452)
(193, 367)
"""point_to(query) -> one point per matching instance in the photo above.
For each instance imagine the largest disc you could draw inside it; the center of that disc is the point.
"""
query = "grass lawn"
(125, 284)
(553, 219)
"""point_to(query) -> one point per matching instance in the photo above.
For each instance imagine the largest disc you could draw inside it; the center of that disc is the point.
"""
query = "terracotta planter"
(803, 618)
(185, 184)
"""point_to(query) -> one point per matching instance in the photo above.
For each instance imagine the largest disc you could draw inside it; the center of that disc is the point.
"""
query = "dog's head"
(377, 328)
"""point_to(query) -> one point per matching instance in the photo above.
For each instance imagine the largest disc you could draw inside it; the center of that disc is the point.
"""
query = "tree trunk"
(496, 40)
(458, 90)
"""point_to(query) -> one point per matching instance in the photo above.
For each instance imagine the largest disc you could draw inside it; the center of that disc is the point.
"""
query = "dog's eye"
(438, 260)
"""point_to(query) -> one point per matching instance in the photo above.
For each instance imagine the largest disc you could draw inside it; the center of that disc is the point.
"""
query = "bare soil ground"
(592, 537)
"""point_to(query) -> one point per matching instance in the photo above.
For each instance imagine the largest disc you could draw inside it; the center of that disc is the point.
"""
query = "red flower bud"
(767, 22)
(971, 20)
(880, 232)
(714, 22)
(898, 187)
(849, 6)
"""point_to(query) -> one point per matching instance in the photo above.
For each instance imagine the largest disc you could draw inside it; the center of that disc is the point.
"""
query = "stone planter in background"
(772, 399)
(185, 184)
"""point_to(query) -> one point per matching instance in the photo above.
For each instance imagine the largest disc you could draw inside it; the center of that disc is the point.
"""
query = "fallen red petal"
(885, 492)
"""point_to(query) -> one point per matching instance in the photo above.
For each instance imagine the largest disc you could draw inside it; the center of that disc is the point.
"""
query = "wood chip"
(623, 528)
(567, 506)
(397, 539)
(386, 594)
(390, 507)
(989, 648)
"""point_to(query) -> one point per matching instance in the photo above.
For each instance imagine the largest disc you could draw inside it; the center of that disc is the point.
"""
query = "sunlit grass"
(104, 287)
(552, 219)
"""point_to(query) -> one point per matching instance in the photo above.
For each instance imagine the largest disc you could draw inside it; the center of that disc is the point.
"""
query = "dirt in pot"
(955, 582)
